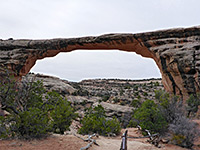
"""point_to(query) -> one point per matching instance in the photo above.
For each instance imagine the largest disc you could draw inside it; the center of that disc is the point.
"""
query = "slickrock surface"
(175, 51)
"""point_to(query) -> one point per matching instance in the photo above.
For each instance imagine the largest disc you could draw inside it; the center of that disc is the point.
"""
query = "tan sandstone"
(175, 51)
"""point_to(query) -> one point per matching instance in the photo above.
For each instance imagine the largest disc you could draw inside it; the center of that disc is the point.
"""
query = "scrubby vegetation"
(167, 116)
(149, 117)
(192, 104)
(95, 121)
(31, 112)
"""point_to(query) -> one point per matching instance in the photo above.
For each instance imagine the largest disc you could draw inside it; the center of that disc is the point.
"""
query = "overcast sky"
(44, 19)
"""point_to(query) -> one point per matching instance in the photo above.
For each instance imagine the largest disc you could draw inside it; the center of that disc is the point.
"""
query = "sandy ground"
(71, 142)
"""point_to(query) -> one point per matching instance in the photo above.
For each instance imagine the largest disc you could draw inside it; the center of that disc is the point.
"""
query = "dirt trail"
(71, 142)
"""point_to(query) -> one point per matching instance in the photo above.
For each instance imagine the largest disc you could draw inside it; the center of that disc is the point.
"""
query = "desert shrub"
(184, 132)
(81, 92)
(173, 109)
(170, 107)
(116, 100)
(23, 101)
(123, 102)
(135, 103)
(121, 92)
(167, 114)
(4, 129)
(105, 97)
(150, 117)
(33, 123)
(62, 113)
(29, 112)
(145, 94)
(133, 123)
(156, 83)
(162, 98)
(192, 104)
(95, 122)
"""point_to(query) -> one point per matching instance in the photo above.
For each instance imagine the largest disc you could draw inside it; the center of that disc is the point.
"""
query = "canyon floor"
(114, 95)
(71, 142)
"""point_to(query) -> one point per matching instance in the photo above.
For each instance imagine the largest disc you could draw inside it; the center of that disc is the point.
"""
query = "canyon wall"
(175, 51)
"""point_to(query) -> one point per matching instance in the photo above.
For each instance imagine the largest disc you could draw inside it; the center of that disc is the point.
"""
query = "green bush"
(31, 114)
(150, 117)
(62, 113)
(156, 83)
(145, 94)
(33, 123)
(133, 123)
(136, 103)
(162, 98)
(105, 98)
(192, 104)
(95, 122)
(4, 129)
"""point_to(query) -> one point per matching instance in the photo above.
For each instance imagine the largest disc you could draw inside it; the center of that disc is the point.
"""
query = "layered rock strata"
(175, 51)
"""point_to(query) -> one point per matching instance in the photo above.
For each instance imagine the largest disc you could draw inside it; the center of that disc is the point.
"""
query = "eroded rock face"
(175, 51)
(52, 83)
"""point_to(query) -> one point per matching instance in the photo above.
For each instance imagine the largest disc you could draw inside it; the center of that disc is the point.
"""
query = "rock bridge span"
(175, 51)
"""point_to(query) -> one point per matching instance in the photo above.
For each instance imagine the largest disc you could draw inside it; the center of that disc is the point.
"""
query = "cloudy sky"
(44, 19)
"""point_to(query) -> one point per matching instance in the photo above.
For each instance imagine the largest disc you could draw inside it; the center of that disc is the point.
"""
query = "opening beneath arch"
(86, 64)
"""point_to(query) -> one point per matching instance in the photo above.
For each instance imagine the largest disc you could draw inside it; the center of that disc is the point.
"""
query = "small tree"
(150, 117)
(62, 113)
(95, 122)
(162, 98)
(23, 101)
(192, 104)
(30, 115)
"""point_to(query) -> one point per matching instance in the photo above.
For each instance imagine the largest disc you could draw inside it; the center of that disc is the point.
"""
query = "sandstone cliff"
(175, 51)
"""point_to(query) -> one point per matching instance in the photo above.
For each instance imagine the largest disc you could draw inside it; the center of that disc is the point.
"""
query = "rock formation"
(175, 51)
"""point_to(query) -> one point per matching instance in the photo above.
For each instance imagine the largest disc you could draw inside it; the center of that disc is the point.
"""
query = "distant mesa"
(175, 51)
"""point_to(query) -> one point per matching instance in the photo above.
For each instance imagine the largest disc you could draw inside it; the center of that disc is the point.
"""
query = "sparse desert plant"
(33, 123)
(162, 97)
(150, 117)
(156, 83)
(184, 132)
(23, 101)
(121, 92)
(28, 111)
(116, 100)
(192, 104)
(172, 108)
(145, 94)
(135, 103)
(133, 123)
(62, 113)
(95, 122)
(122, 102)
(105, 98)
(4, 129)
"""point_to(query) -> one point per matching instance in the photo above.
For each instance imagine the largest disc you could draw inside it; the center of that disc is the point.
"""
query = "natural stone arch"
(175, 51)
